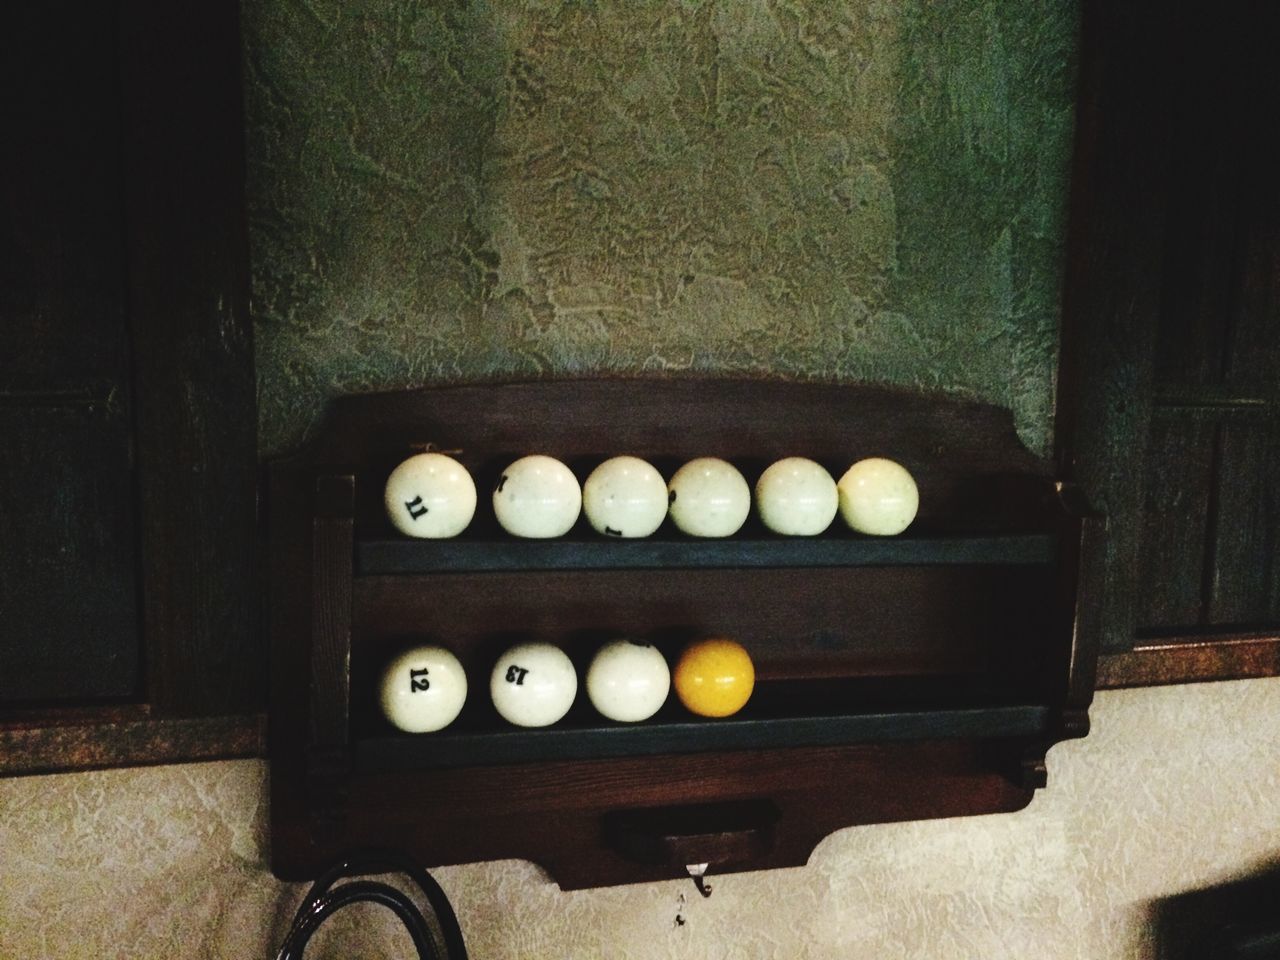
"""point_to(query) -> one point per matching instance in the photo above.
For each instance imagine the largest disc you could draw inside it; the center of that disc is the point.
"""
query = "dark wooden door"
(1211, 512)
(68, 511)
(1170, 404)
(127, 411)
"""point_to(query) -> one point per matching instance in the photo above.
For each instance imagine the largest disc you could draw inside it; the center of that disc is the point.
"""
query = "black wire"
(314, 912)
(380, 861)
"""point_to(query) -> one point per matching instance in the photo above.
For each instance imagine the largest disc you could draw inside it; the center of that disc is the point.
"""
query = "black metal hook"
(698, 874)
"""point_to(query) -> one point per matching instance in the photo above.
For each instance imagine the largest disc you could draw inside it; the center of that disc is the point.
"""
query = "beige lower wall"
(1175, 789)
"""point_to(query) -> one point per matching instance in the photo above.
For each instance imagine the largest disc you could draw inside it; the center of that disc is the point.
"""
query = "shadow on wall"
(1234, 921)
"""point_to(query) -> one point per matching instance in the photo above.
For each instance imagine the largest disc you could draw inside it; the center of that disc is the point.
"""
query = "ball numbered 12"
(430, 495)
(537, 497)
(715, 677)
(628, 680)
(533, 685)
(423, 690)
(625, 497)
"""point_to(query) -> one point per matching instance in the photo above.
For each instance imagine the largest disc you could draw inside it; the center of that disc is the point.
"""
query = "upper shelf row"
(433, 496)
(982, 497)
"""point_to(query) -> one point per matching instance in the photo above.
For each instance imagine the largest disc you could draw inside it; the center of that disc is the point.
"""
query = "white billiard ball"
(533, 685)
(423, 689)
(537, 497)
(625, 497)
(430, 495)
(796, 497)
(708, 497)
(878, 496)
(628, 680)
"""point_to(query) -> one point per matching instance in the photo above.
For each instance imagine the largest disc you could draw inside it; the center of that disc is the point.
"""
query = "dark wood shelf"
(924, 675)
(515, 745)
(404, 556)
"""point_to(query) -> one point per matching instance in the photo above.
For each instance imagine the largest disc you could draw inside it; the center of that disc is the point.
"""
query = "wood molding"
(1169, 660)
(59, 741)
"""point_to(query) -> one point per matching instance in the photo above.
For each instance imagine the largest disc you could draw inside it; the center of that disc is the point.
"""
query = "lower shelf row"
(533, 687)
(469, 748)
(424, 689)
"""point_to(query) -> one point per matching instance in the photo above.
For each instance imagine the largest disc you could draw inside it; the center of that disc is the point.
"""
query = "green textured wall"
(857, 190)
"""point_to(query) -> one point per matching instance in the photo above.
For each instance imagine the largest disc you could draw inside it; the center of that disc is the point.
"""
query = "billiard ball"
(796, 497)
(537, 497)
(430, 495)
(878, 496)
(714, 677)
(628, 680)
(625, 497)
(533, 685)
(708, 497)
(423, 689)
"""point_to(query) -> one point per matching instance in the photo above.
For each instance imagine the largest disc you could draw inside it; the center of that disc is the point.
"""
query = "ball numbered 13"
(533, 685)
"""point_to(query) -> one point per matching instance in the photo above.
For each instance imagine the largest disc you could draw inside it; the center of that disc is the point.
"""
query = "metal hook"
(697, 873)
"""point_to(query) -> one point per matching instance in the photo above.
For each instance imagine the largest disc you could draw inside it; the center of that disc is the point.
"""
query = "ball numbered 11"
(430, 496)
(423, 690)
(533, 685)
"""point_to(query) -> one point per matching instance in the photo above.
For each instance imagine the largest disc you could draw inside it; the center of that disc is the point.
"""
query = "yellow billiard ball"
(714, 678)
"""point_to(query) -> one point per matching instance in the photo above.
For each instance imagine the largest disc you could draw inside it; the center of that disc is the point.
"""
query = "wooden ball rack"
(919, 676)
